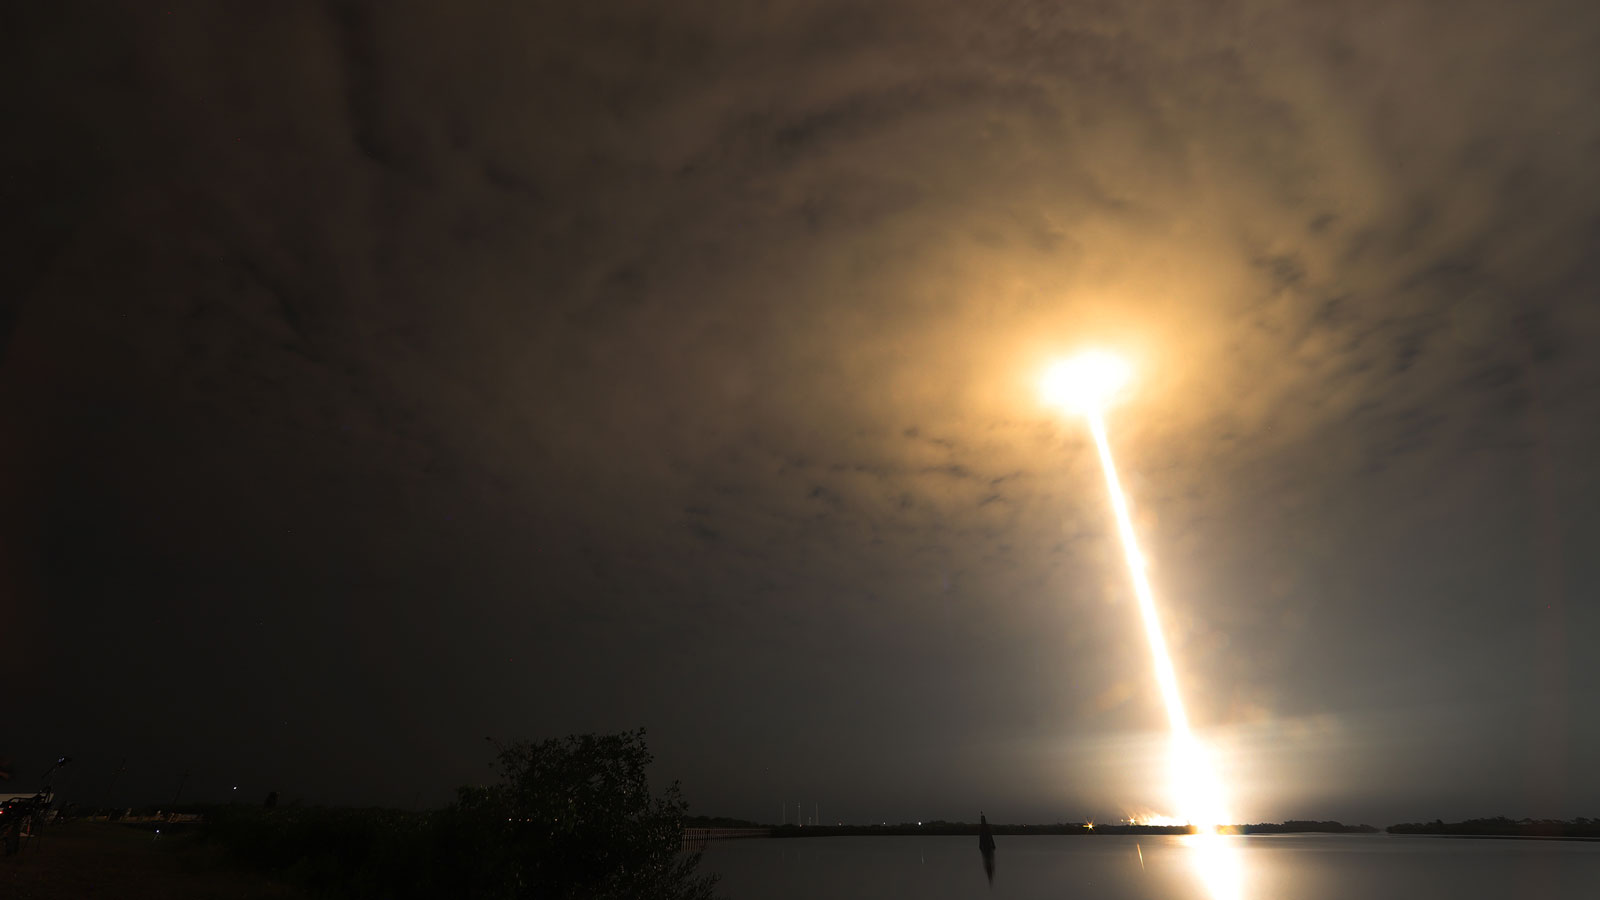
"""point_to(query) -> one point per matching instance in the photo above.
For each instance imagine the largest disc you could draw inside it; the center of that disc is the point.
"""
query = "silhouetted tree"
(574, 818)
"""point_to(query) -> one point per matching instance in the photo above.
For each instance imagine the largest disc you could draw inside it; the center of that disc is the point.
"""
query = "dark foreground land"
(96, 859)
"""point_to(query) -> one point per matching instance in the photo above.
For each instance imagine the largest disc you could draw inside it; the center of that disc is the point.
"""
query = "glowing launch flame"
(1087, 384)
(1198, 793)
(1199, 797)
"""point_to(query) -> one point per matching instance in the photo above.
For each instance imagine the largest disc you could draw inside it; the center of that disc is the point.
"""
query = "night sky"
(378, 377)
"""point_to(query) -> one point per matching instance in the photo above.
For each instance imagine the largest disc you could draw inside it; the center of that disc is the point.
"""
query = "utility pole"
(179, 793)
(111, 789)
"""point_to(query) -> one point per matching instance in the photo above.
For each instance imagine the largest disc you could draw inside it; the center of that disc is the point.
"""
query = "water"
(1270, 867)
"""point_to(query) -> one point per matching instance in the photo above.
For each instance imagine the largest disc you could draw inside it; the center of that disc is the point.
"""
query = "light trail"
(1198, 793)
(1165, 676)
(1086, 384)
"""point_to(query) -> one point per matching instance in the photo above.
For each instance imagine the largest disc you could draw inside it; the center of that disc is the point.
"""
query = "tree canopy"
(579, 821)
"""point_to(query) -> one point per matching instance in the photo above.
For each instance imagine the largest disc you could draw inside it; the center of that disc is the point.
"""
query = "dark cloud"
(382, 376)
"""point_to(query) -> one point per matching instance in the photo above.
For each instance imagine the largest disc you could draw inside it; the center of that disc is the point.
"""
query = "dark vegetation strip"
(1500, 826)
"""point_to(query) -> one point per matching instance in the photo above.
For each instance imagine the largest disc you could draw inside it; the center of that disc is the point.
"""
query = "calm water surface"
(1268, 867)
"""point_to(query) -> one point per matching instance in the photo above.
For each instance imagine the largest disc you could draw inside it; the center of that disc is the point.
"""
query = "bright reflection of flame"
(1216, 862)
(1086, 385)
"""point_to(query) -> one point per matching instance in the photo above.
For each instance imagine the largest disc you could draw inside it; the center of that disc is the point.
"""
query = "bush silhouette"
(575, 818)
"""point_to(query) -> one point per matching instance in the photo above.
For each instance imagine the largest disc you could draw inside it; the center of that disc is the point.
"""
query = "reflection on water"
(1217, 864)
(986, 847)
(1193, 867)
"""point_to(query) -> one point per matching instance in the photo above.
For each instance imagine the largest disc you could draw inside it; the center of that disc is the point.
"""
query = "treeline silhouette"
(718, 822)
(1301, 826)
(1500, 826)
(941, 827)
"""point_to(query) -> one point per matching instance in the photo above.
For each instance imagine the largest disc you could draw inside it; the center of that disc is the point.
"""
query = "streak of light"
(1198, 792)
